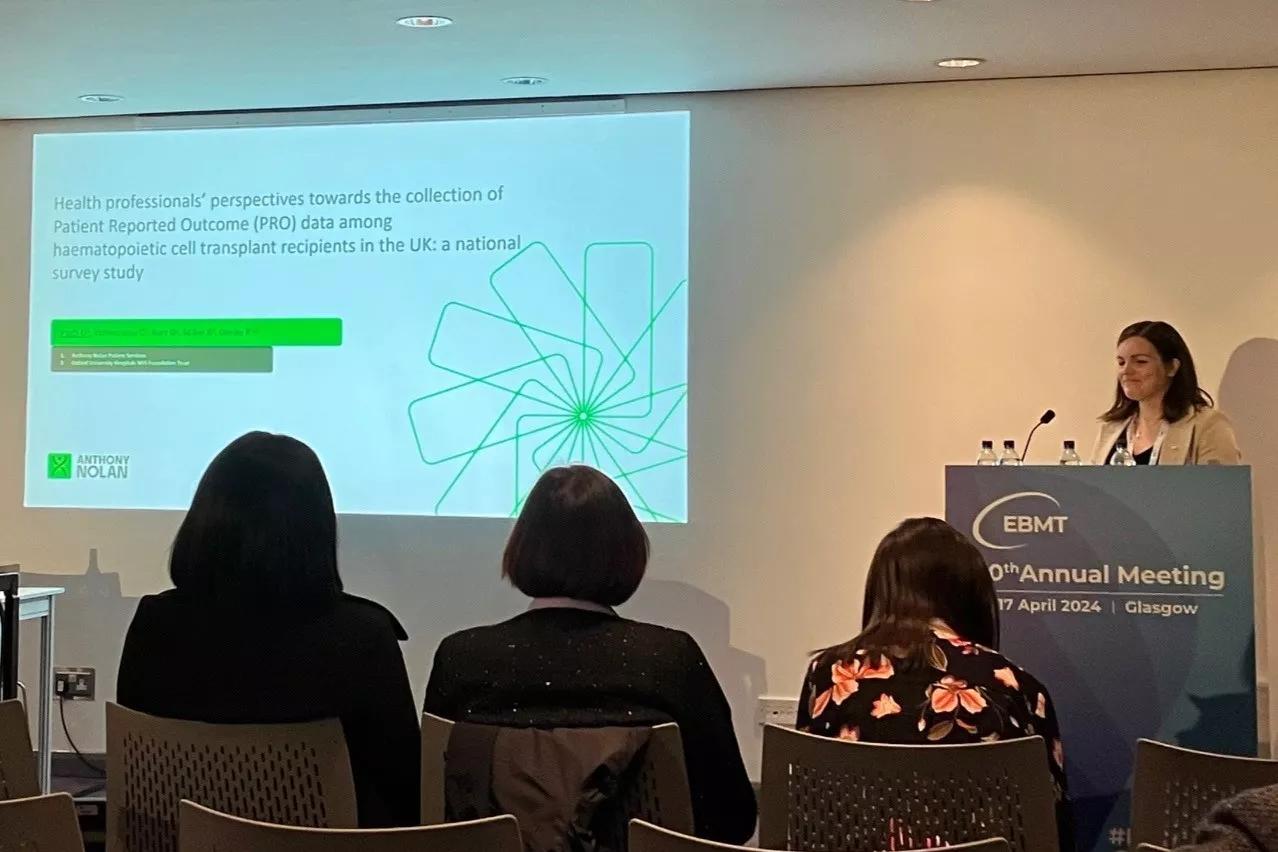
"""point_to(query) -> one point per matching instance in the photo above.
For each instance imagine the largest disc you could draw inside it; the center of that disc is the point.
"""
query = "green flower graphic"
(555, 370)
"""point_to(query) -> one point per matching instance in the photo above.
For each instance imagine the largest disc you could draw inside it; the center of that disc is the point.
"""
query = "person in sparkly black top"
(570, 661)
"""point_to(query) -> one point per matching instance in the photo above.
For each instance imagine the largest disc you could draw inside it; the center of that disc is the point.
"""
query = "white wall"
(881, 277)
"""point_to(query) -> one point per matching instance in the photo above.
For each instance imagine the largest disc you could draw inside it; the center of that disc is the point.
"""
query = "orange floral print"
(882, 670)
(960, 692)
(819, 703)
(1007, 677)
(885, 706)
(844, 676)
(949, 693)
(940, 631)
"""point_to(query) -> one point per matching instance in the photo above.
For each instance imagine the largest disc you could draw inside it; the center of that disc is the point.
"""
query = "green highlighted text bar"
(221, 333)
(163, 359)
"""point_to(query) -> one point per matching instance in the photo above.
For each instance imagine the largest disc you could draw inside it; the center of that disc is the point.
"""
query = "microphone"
(1048, 417)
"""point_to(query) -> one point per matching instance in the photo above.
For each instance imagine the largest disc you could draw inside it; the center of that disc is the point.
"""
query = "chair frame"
(1157, 764)
(49, 822)
(325, 739)
(784, 747)
(646, 837)
(202, 829)
(19, 777)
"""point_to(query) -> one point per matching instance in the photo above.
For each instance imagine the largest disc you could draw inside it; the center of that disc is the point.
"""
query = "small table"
(37, 602)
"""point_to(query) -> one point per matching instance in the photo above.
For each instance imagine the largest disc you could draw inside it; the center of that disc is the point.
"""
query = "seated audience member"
(1246, 823)
(258, 629)
(924, 668)
(570, 661)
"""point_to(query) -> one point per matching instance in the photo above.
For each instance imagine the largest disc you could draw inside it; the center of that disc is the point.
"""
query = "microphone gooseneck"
(1048, 416)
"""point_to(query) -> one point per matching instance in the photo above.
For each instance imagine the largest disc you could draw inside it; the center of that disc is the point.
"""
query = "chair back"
(645, 837)
(823, 793)
(1173, 789)
(297, 774)
(204, 830)
(435, 733)
(18, 778)
(658, 791)
(40, 824)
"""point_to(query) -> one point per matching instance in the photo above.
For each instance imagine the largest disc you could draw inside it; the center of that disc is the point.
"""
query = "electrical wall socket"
(75, 684)
(775, 710)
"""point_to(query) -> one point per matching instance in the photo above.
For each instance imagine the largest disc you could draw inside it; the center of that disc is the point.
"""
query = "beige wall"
(881, 277)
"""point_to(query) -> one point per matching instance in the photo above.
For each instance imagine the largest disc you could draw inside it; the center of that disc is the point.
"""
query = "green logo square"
(59, 465)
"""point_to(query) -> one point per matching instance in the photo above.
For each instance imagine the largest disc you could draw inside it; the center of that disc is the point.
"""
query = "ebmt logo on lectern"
(88, 466)
(1020, 523)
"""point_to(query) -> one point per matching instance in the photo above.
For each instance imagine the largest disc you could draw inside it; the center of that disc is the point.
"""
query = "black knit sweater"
(1246, 823)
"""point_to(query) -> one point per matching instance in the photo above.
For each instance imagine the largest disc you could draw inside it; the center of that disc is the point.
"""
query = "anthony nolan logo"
(88, 466)
(1023, 522)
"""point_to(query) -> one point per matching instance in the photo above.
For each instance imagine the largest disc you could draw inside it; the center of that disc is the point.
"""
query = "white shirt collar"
(569, 603)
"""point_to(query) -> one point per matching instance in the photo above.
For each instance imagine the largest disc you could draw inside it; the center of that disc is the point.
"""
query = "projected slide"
(441, 309)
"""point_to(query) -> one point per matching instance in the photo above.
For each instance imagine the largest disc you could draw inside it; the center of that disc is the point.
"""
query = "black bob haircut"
(577, 537)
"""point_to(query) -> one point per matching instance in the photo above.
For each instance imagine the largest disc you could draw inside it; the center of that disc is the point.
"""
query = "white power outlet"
(775, 710)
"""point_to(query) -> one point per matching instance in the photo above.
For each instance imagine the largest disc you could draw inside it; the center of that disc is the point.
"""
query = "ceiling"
(198, 55)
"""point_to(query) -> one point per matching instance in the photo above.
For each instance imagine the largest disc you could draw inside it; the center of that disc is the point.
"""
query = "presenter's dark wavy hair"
(261, 529)
(1183, 394)
(576, 537)
(922, 571)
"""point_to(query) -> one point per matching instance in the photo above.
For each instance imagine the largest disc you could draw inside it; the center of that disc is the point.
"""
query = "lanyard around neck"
(1129, 438)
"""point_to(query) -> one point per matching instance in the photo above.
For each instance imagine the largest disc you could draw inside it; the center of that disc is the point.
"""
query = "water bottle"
(1010, 456)
(1122, 457)
(1069, 456)
(987, 457)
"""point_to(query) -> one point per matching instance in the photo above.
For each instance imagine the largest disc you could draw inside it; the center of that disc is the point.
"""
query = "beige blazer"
(1204, 436)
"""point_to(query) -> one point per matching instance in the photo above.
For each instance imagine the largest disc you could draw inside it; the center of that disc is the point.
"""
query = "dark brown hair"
(924, 570)
(1183, 394)
(576, 537)
(261, 528)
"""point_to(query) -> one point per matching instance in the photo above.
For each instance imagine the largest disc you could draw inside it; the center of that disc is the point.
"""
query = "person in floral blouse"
(925, 667)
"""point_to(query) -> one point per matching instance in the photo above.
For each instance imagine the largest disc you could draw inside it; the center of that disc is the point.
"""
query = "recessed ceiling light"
(100, 99)
(960, 62)
(424, 22)
(524, 81)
